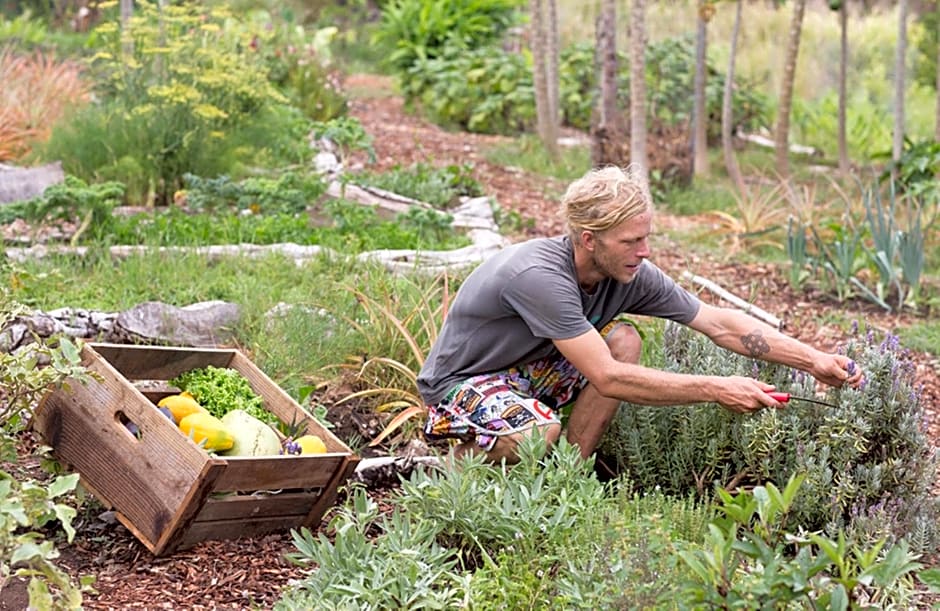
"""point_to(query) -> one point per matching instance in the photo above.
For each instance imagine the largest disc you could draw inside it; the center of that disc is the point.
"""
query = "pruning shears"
(785, 397)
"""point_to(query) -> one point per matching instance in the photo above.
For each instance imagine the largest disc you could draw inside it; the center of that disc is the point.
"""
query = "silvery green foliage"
(867, 462)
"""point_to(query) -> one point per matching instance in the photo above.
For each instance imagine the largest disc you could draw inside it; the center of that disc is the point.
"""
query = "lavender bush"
(867, 463)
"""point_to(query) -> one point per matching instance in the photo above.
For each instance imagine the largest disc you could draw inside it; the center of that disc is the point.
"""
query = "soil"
(249, 573)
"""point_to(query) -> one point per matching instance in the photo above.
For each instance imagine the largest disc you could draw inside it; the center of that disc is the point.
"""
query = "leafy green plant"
(289, 193)
(221, 390)
(71, 199)
(439, 186)
(555, 536)
(404, 568)
(29, 507)
(298, 63)
(23, 379)
(419, 30)
(751, 554)
(347, 133)
(26, 508)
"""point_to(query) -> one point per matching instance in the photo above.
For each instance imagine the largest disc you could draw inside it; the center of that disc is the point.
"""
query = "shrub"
(37, 90)
(187, 94)
(867, 462)
(752, 553)
(29, 507)
(421, 30)
(442, 187)
(489, 90)
(554, 536)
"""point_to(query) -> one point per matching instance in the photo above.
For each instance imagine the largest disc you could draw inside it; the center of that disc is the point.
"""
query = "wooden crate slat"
(234, 506)
(279, 472)
(243, 528)
(328, 498)
(190, 507)
(145, 478)
(160, 362)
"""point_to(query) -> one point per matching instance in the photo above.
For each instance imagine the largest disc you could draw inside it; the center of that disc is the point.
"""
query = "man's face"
(619, 251)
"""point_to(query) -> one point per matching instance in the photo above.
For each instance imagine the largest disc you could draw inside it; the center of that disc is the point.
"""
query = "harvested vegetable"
(251, 436)
(311, 444)
(207, 431)
(221, 390)
(181, 405)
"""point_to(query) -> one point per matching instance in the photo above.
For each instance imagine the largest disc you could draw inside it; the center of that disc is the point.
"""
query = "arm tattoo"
(755, 343)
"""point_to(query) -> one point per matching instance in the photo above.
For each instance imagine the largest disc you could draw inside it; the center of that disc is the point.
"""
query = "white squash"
(252, 436)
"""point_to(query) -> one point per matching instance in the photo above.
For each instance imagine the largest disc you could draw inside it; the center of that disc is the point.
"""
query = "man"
(535, 328)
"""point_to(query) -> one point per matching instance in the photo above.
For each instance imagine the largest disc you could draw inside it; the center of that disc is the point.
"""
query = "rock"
(205, 324)
(17, 184)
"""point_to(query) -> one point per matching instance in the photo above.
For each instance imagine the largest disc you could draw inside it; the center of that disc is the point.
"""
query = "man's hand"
(743, 395)
(836, 370)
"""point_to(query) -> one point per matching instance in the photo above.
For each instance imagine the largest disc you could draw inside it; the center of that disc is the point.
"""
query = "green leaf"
(69, 350)
(63, 484)
(930, 578)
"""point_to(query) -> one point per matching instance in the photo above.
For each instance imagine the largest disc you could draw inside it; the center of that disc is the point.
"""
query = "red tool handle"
(782, 397)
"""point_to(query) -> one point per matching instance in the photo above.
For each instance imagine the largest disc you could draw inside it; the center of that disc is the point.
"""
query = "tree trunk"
(638, 88)
(540, 78)
(727, 145)
(897, 147)
(699, 118)
(606, 36)
(551, 50)
(936, 127)
(782, 137)
(843, 66)
(607, 133)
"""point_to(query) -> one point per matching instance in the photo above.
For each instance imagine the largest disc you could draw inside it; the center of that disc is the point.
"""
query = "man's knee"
(507, 446)
(625, 343)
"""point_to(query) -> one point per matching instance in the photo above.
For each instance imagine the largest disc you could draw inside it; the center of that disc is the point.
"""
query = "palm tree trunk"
(782, 136)
(607, 133)
(727, 144)
(638, 88)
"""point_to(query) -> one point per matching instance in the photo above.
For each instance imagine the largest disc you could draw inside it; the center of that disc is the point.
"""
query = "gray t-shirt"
(515, 303)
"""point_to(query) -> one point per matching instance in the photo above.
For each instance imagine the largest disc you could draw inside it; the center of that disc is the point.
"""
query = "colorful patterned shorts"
(493, 404)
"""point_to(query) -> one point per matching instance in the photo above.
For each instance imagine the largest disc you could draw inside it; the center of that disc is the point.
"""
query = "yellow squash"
(311, 444)
(181, 405)
(207, 430)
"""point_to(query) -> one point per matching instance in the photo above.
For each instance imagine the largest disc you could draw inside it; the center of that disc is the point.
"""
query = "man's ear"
(588, 240)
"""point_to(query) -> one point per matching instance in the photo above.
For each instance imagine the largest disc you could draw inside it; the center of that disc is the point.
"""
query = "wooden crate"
(166, 489)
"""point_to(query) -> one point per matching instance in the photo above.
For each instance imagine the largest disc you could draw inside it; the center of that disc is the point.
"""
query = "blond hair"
(603, 198)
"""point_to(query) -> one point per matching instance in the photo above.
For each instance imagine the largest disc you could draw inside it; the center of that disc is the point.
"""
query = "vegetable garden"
(210, 136)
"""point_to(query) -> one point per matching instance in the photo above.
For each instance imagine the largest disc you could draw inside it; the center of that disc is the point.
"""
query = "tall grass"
(35, 91)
